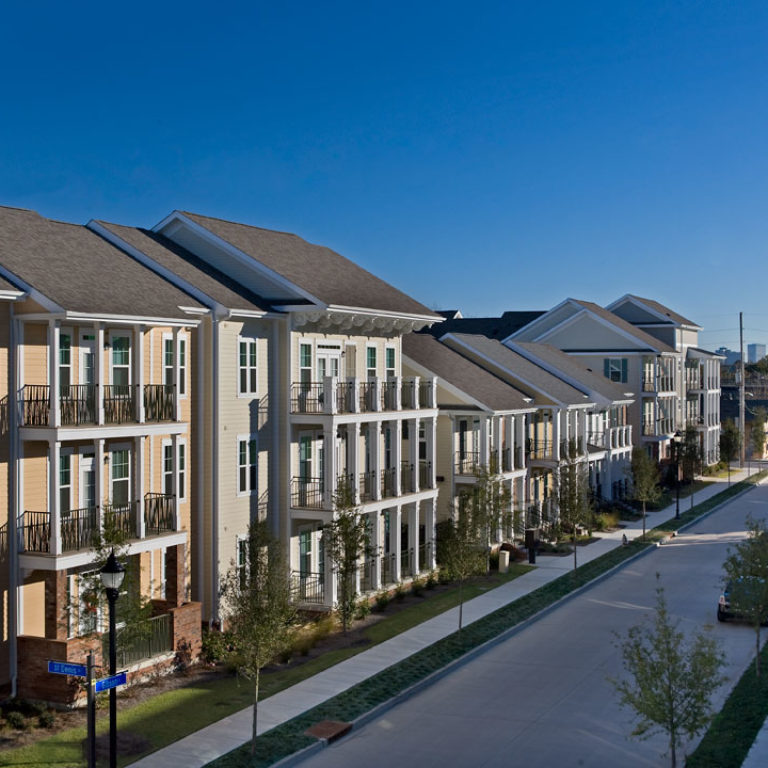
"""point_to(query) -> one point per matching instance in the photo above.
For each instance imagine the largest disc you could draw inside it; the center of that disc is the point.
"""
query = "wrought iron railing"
(307, 588)
(408, 395)
(79, 529)
(345, 397)
(35, 531)
(406, 477)
(389, 395)
(406, 563)
(77, 404)
(307, 397)
(307, 492)
(35, 405)
(425, 555)
(388, 568)
(123, 519)
(541, 449)
(367, 480)
(387, 483)
(159, 513)
(159, 402)
(425, 474)
(145, 640)
(467, 462)
(119, 403)
(425, 394)
(367, 572)
(367, 396)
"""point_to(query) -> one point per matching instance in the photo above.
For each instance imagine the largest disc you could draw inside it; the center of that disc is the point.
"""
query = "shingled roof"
(328, 276)
(190, 268)
(463, 374)
(661, 309)
(81, 272)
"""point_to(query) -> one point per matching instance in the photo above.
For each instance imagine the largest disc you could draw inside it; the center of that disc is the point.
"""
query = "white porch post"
(98, 370)
(99, 486)
(329, 469)
(556, 415)
(375, 528)
(54, 505)
(139, 475)
(175, 482)
(353, 459)
(54, 330)
(413, 536)
(375, 447)
(429, 533)
(395, 521)
(413, 450)
(176, 376)
(431, 435)
(330, 583)
(139, 334)
(397, 444)
(484, 442)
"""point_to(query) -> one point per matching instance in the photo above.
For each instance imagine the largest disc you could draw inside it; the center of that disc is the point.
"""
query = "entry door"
(327, 363)
(87, 358)
(87, 498)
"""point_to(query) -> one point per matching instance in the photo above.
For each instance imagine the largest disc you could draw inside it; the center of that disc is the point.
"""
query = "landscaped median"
(288, 738)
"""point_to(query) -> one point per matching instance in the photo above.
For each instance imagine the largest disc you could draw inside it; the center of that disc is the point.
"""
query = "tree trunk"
(673, 747)
(757, 652)
(461, 604)
(255, 712)
(574, 546)
(643, 519)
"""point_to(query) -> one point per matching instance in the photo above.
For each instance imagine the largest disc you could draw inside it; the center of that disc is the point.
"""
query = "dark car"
(725, 610)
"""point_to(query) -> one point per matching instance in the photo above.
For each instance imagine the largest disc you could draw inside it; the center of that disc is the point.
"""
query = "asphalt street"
(542, 698)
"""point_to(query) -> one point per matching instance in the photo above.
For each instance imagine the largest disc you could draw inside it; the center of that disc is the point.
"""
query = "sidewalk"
(209, 743)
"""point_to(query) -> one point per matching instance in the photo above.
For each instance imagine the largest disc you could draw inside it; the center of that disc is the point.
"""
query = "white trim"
(247, 439)
(115, 334)
(248, 392)
(182, 337)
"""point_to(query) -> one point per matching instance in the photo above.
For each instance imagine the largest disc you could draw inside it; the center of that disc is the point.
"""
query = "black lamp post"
(676, 441)
(112, 575)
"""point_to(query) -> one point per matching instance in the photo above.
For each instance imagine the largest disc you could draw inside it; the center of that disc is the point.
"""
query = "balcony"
(425, 474)
(307, 588)
(307, 493)
(80, 527)
(467, 462)
(360, 396)
(78, 404)
(388, 483)
(540, 450)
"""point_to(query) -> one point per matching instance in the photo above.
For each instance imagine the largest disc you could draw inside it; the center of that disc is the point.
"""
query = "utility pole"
(742, 409)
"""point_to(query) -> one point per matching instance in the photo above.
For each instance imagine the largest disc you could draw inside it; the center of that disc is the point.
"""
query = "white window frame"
(167, 340)
(251, 465)
(248, 368)
(183, 383)
(368, 369)
(182, 474)
(120, 335)
(65, 453)
(311, 367)
(109, 453)
(165, 445)
(387, 349)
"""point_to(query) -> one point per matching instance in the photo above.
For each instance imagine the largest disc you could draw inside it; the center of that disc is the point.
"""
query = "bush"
(382, 600)
(182, 661)
(16, 720)
(493, 560)
(417, 587)
(362, 609)
(432, 580)
(606, 520)
(215, 645)
(400, 592)
(46, 720)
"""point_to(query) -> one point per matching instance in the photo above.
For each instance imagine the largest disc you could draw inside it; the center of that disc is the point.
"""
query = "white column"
(353, 458)
(413, 450)
(138, 443)
(330, 475)
(397, 443)
(520, 427)
(331, 585)
(139, 334)
(98, 369)
(176, 376)
(54, 459)
(431, 433)
(413, 535)
(98, 474)
(375, 446)
(509, 432)
(395, 517)
(498, 446)
(555, 415)
(484, 442)
(376, 548)
(53, 372)
(175, 482)
(429, 533)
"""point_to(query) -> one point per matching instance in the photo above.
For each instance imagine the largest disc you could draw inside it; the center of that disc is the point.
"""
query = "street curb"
(298, 757)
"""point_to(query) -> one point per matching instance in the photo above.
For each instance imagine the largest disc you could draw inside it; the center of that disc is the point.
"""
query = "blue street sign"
(65, 668)
(110, 682)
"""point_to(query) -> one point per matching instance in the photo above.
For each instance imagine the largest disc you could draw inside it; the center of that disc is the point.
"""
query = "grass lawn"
(170, 716)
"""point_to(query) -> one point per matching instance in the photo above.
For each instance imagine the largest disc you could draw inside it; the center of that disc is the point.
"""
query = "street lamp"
(112, 575)
(677, 441)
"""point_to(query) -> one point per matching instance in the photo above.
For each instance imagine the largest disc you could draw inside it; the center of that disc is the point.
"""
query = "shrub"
(493, 560)
(215, 645)
(382, 600)
(432, 580)
(606, 520)
(182, 661)
(417, 587)
(16, 720)
(46, 720)
(400, 592)
(362, 609)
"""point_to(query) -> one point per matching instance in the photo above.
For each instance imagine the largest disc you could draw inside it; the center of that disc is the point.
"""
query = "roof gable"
(640, 311)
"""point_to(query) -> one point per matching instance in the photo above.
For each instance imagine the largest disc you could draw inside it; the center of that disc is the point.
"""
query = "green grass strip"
(733, 730)
(285, 739)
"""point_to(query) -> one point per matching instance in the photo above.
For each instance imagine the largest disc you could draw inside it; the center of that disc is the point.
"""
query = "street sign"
(110, 682)
(65, 668)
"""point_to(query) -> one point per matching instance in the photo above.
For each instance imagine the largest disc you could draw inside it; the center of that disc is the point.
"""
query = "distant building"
(755, 352)
(731, 357)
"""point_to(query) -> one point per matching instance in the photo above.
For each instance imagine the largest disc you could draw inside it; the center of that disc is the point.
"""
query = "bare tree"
(669, 680)
(257, 609)
(645, 479)
(730, 441)
(574, 508)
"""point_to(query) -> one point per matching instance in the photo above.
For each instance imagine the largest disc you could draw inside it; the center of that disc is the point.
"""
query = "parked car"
(726, 610)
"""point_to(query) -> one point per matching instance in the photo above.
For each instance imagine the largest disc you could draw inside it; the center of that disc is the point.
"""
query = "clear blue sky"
(485, 156)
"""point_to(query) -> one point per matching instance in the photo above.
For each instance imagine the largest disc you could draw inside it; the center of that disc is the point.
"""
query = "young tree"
(730, 441)
(491, 505)
(257, 608)
(645, 479)
(670, 680)
(345, 541)
(572, 492)
(690, 453)
(758, 433)
(746, 570)
(464, 550)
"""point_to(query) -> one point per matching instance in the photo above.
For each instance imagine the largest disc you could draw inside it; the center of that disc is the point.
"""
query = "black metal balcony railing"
(540, 449)
(519, 457)
(35, 531)
(307, 492)
(307, 397)
(159, 402)
(388, 568)
(119, 403)
(506, 460)
(389, 396)
(406, 563)
(425, 555)
(307, 588)
(367, 481)
(367, 571)
(159, 514)
(575, 446)
(78, 404)
(649, 427)
(150, 638)
(79, 529)
(367, 395)
(35, 404)
(406, 477)
(425, 474)
(123, 518)
(467, 462)
(408, 395)
(387, 483)
(425, 394)
(345, 397)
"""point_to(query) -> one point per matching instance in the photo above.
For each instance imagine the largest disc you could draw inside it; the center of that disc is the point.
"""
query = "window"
(168, 469)
(247, 367)
(246, 465)
(389, 362)
(182, 471)
(65, 361)
(121, 361)
(65, 482)
(120, 478)
(182, 366)
(615, 369)
(371, 362)
(305, 363)
(305, 553)
(168, 363)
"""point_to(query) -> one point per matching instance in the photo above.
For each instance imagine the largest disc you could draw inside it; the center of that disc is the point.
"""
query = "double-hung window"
(247, 481)
(247, 367)
(389, 361)
(370, 355)
(615, 369)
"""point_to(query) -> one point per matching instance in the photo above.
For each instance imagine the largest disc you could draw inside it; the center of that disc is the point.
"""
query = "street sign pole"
(91, 715)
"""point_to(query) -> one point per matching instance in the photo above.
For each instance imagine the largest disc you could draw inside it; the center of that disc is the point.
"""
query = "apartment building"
(482, 424)
(97, 401)
(342, 412)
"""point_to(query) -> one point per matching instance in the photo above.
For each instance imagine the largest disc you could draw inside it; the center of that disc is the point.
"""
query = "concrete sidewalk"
(207, 744)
